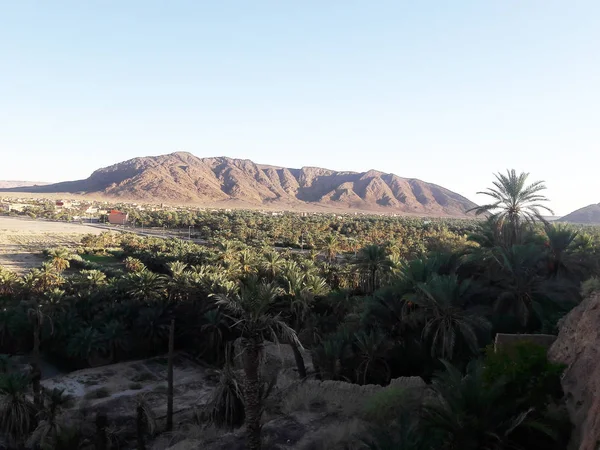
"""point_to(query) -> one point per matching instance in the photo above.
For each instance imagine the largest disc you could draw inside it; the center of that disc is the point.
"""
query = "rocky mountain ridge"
(184, 178)
(587, 215)
(7, 184)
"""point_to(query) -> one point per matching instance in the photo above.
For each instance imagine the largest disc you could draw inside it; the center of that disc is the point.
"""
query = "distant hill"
(587, 215)
(4, 184)
(184, 178)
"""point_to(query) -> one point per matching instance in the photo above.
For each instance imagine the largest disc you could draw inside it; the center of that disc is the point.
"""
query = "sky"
(449, 92)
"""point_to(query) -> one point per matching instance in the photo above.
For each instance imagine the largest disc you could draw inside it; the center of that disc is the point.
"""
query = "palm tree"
(271, 264)
(523, 292)
(170, 376)
(514, 204)
(331, 247)
(246, 260)
(37, 317)
(8, 282)
(41, 280)
(561, 240)
(115, 338)
(371, 348)
(88, 280)
(133, 264)
(17, 413)
(145, 286)
(441, 309)
(252, 307)
(469, 413)
(84, 343)
(152, 326)
(49, 426)
(214, 330)
(179, 283)
(373, 263)
(59, 258)
(145, 420)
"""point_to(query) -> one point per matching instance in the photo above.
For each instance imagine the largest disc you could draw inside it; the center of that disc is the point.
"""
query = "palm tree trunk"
(141, 445)
(170, 377)
(252, 400)
(373, 280)
(36, 372)
(316, 366)
(299, 360)
(101, 439)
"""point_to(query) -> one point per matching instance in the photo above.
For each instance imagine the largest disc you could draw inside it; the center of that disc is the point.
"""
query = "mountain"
(4, 184)
(184, 178)
(587, 215)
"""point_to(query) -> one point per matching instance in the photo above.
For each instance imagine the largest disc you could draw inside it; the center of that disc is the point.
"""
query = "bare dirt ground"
(22, 240)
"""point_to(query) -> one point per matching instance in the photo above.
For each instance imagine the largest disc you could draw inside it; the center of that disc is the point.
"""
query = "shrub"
(590, 286)
(389, 404)
(529, 377)
(226, 406)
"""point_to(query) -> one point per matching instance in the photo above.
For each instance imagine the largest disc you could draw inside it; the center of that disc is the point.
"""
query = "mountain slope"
(184, 178)
(587, 215)
(4, 184)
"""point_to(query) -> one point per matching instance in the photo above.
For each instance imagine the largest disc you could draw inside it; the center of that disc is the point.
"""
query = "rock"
(114, 390)
(341, 398)
(578, 346)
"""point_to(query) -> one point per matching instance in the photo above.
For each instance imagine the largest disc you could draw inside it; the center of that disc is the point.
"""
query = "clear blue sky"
(444, 91)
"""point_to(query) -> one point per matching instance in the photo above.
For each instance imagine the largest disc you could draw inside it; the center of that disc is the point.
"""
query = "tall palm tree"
(441, 310)
(252, 307)
(37, 318)
(514, 204)
(331, 247)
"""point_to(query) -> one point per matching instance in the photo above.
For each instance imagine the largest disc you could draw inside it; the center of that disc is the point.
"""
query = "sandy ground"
(22, 240)
(121, 383)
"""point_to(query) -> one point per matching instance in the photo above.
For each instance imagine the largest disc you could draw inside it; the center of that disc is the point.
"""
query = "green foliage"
(17, 413)
(389, 405)
(528, 376)
(590, 286)
(225, 409)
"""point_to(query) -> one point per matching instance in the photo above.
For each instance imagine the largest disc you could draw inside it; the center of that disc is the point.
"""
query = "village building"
(117, 217)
